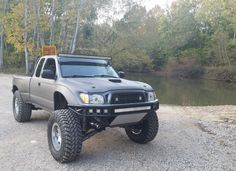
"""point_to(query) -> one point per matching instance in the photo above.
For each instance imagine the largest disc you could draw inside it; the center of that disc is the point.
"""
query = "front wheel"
(145, 131)
(64, 135)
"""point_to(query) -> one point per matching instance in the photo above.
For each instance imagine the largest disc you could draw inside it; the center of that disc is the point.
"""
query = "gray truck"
(84, 95)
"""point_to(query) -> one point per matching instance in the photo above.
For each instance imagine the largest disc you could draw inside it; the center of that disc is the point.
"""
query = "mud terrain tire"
(145, 131)
(21, 110)
(64, 135)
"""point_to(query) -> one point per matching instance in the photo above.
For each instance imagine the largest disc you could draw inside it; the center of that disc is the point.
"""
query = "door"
(42, 89)
(47, 85)
(35, 84)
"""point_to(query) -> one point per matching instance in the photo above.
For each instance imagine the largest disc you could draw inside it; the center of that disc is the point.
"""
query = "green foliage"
(202, 31)
(139, 62)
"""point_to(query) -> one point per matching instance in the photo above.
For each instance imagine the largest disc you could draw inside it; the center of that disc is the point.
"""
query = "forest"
(188, 35)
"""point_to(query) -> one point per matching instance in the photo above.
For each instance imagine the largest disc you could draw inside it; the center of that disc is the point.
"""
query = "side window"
(38, 71)
(50, 65)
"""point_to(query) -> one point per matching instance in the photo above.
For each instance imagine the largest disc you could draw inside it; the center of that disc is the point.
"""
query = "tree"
(38, 34)
(3, 5)
(19, 29)
(74, 40)
(202, 30)
(218, 24)
(26, 36)
(230, 14)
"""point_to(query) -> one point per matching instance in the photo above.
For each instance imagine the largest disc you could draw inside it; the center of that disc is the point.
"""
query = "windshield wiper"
(77, 76)
(103, 75)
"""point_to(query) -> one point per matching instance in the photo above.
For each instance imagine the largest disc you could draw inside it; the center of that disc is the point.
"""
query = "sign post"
(49, 50)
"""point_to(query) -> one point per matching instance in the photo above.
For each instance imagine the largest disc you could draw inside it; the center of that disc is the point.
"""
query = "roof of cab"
(83, 58)
(77, 56)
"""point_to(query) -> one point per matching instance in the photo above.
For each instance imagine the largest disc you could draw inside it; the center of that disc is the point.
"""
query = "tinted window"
(86, 69)
(50, 65)
(38, 71)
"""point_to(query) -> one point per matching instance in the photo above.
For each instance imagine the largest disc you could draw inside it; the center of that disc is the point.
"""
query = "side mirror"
(48, 74)
(121, 74)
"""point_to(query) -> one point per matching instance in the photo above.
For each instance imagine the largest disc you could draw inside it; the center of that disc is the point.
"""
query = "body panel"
(93, 85)
(46, 93)
(23, 85)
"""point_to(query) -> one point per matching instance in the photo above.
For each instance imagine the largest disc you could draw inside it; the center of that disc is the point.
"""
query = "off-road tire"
(148, 127)
(71, 135)
(24, 110)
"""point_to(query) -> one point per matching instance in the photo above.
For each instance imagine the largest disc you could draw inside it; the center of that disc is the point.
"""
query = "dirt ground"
(189, 138)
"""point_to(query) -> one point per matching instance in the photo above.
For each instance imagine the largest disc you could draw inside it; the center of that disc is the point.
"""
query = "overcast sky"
(151, 3)
(117, 12)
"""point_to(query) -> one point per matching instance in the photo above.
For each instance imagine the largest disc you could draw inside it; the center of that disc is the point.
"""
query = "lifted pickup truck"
(84, 95)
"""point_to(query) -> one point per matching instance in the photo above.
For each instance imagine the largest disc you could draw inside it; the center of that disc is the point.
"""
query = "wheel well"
(14, 88)
(60, 101)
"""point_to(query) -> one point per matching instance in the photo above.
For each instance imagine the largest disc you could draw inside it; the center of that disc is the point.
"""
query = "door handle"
(39, 83)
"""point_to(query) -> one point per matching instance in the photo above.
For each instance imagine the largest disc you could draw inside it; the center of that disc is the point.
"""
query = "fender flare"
(71, 98)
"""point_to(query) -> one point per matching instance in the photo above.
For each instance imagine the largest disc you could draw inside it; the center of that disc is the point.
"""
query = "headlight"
(84, 97)
(96, 99)
(92, 99)
(151, 96)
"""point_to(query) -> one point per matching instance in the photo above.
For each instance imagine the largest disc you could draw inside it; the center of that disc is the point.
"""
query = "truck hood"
(91, 85)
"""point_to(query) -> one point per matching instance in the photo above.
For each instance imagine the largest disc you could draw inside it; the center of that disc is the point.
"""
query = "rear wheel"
(21, 110)
(64, 135)
(145, 131)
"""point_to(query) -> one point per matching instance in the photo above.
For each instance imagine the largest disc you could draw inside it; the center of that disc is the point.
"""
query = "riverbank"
(225, 74)
(219, 114)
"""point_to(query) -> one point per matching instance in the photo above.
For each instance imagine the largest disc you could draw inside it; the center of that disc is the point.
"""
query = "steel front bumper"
(118, 114)
(111, 110)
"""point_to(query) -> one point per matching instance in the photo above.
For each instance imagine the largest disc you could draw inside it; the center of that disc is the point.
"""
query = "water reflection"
(189, 92)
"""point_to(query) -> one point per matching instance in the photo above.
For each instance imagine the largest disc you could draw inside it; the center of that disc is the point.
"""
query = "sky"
(152, 3)
(117, 12)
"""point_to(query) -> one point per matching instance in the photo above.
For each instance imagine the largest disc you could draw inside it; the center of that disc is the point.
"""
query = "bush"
(184, 68)
(133, 62)
(159, 58)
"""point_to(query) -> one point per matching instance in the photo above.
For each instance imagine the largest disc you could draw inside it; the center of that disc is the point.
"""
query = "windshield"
(87, 69)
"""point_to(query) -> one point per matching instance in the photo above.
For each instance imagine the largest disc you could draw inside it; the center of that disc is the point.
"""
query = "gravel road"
(189, 138)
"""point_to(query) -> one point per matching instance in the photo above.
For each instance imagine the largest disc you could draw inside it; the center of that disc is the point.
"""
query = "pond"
(189, 92)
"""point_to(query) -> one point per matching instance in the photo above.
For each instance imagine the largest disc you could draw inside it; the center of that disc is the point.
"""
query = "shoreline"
(219, 113)
(221, 74)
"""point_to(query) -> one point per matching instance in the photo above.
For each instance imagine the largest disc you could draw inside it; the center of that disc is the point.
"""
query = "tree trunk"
(5, 2)
(234, 33)
(74, 40)
(39, 34)
(62, 37)
(1, 45)
(26, 37)
(52, 23)
(226, 55)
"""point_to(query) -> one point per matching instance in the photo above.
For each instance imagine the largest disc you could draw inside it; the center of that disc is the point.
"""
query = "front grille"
(128, 97)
